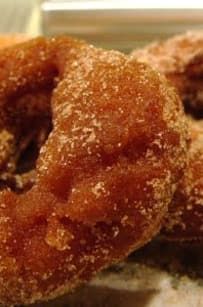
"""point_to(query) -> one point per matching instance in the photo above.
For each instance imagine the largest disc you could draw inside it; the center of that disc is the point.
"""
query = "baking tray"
(116, 24)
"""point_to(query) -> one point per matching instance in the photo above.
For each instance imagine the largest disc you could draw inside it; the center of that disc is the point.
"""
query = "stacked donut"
(95, 159)
(180, 59)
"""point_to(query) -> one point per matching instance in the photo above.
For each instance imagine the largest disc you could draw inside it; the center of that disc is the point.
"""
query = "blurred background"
(107, 23)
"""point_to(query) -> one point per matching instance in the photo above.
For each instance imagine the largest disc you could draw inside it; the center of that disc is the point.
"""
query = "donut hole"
(27, 158)
(196, 111)
(26, 126)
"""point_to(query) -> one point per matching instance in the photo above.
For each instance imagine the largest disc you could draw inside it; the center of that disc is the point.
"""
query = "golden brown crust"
(180, 58)
(24, 131)
(185, 218)
(106, 174)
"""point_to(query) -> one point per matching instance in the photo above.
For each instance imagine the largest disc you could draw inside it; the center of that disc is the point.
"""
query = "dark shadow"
(195, 112)
(173, 257)
(93, 296)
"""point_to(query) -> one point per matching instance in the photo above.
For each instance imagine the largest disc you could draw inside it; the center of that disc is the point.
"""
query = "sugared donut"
(185, 218)
(180, 58)
(105, 175)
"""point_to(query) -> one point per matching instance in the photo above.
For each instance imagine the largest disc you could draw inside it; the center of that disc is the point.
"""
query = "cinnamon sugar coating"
(104, 177)
(180, 58)
(185, 217)
(24, 130)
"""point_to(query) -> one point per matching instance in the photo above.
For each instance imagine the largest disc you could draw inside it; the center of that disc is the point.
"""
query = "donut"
(105, 175)
(180, 59)
(184, 221)
(23, 133)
